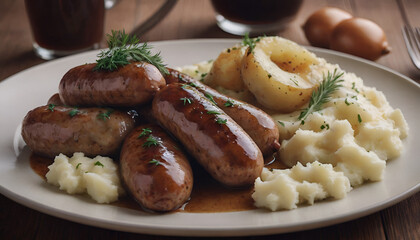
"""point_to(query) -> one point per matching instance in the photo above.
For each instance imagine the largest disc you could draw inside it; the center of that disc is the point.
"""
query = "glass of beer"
(63, 27)
(254, 16)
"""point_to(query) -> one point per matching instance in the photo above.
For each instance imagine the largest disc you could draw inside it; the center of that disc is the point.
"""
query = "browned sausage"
(50, 130)
(258, 124)
(130, 85)
(133, 112)
(155, 170)
(55, 100)
(217, 142)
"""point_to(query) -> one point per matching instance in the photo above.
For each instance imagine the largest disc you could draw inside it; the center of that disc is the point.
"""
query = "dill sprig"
(155, 162)
(250, 42)
(145, 132)
(105, 115)
(124, 49)
(151, 141)
(330, 83)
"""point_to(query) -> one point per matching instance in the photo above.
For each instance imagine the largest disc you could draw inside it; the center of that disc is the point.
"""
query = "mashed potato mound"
(356, 132)
(284, 189)
(336, 146)
(78, 174)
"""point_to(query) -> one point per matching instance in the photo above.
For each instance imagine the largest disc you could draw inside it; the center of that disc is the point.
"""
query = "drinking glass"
(254, 16)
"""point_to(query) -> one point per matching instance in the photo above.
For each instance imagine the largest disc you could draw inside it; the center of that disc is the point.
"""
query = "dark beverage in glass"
(254, 16)
(62, 27)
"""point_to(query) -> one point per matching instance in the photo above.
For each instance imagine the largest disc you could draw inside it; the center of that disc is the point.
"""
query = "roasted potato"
(226, 70)
(276, 73)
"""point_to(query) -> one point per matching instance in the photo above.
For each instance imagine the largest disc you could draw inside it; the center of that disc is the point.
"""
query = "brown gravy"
(207, 194)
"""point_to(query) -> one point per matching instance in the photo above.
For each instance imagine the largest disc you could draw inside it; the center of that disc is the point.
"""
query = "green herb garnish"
(124, 49)
(190, 84)
(210, 97)
(250, 42)
(346, 102)
(294, 81)
(353, 86)
(359, 118)
(51, 107)
(221, 121)
(97, 163)
(281, 123)
(74, 112)
(186, 100)
(77, 166)
(203, 75)
(105, 115)
(156, 162)
(213, 112)
(144, 132)
(193, 84)
(229, 103)
(151, 141)
(322, 94)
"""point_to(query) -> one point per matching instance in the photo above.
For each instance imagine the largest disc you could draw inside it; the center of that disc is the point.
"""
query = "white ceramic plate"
(31, 88)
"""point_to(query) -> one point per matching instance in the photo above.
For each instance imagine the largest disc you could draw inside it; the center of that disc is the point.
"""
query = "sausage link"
(217, 142)
(133, 112)
(55, 100)
(51, 130)
(131, 85)
(258, 124)
(159, 176)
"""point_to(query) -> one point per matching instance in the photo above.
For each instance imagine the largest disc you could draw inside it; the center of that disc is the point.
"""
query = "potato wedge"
(226, 70)
(276, 73)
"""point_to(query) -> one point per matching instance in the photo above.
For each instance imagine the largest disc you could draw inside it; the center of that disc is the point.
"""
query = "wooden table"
(195, 19)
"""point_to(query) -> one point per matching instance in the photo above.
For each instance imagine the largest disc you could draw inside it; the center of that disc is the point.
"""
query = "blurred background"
(196, 19)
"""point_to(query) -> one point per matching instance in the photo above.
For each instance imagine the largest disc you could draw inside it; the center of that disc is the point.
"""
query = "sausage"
(258, 124)
(50, 130)
(55, 100)
(131, 85)
(217, 142)
(133, 112)
(158, 177)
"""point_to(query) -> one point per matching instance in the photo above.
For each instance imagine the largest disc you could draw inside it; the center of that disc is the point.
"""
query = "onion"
(360, 37)
(319, 26)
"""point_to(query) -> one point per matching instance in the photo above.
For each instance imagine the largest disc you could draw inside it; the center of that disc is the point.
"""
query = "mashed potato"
(356, 131)
(284, 189)
(347, 142)
(78, 174)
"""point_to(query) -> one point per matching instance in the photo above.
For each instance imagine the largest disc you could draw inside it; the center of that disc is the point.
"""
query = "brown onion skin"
(360, 37)
(319, 26)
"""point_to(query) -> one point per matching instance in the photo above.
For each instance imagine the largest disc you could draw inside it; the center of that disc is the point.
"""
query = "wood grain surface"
(196, 19)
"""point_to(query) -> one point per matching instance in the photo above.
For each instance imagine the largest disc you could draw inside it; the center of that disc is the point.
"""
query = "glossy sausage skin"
(158, 177)
(133, 112)
(55, 99)
(49, 131)
(217, 142)
(259, 125)
(131, 85)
